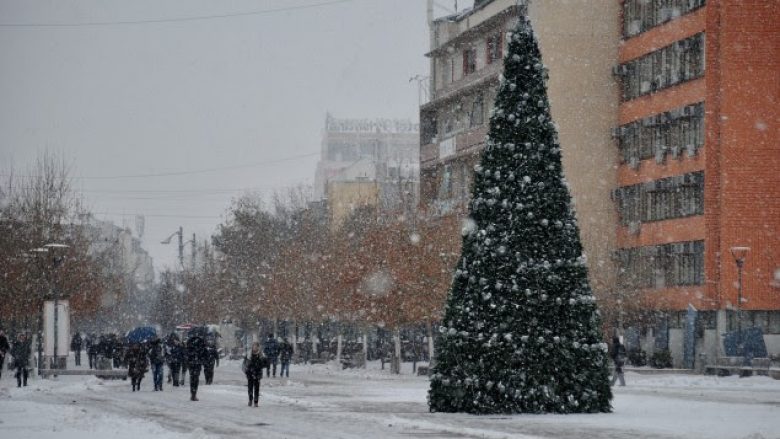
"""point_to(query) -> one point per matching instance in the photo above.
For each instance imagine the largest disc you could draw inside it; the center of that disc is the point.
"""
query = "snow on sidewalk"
(324, 401)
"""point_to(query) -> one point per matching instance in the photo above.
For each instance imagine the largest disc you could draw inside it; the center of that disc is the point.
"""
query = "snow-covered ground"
(323, 401)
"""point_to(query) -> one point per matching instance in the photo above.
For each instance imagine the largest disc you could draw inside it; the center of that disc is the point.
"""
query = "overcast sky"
(246, 92)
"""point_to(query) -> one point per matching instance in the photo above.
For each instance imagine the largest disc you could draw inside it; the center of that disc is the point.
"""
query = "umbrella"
(141, 334)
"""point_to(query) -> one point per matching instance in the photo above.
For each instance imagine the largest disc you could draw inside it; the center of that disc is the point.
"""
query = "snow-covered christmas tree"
(521, 331)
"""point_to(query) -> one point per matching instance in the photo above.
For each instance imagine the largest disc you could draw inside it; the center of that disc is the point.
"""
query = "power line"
(158, 215)
(179, 19)
(179, 173)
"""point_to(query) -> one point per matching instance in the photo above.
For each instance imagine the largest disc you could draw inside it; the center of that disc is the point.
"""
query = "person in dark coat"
(120, 352)
(137, 364)
(271, 351)
(91, 346)
(212, 356)
(253, 368)
(619, 358)
(21, 354)
(157, 361)
(285, 356)
(75, 346)
(4, 348)
(174, 356)
(196, 358)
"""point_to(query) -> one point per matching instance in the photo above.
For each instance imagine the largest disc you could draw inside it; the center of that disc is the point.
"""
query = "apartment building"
(367, 162)
(579, 49)
(698, 172)
(673, 156)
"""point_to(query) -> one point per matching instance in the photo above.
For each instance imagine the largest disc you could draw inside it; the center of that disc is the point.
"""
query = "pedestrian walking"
(91, 346)
(253, 368)
(4, 348)
(75, 346)
(271, 351)
(285, 356)
(212, 357)
(157, 361)
(174, 356)
(21, 353)
(196, 358)
(619, 358)
(137, 364)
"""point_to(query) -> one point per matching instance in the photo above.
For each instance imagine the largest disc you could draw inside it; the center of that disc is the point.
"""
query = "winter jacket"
(21, 354)
(285, 352)
(4, 346)
(271, 349)
(196, 350)
(618, 353)
(254, 365)
(212, 355)
(136, 360)
(156, 355)
(75, 342)
(91, 345)
(176, 353)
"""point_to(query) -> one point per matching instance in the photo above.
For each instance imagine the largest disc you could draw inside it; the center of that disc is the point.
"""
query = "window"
(642, 15)
(428, 128)
(661, 266)
(477, 115)
(671, 65)
(494, 48)
(445, 188)
(469, 61)
(676, 132)
(667, 198)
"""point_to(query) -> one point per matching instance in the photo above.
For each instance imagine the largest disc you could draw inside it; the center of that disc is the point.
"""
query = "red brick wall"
(741, 155)
(742, 199)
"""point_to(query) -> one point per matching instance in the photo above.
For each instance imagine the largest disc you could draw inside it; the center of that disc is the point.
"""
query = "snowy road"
(322, 402)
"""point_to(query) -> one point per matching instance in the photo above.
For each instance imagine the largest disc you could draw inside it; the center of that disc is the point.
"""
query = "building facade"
(579, 49)
(672, 156)
(698, 171)
(367, 162)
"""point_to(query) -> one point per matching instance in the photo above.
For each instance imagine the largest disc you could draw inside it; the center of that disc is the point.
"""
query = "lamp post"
(739, 254)
(58, 256)
(38, 254)
(167, 241)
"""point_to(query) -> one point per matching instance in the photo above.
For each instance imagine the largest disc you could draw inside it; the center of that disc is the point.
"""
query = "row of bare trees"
(38, 208)
(283, 261)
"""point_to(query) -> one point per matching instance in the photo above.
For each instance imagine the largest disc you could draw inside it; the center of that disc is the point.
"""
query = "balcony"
(457, 144)
(488, 74)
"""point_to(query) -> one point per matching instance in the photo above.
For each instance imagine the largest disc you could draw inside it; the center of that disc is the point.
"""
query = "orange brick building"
(699, 170)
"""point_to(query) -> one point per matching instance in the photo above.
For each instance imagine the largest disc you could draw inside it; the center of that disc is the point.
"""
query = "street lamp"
(739, 254)
(39, 254)
(58, 256)
(167, 241)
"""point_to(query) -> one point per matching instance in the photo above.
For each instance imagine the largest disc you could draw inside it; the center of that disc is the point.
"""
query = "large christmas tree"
(521, 331)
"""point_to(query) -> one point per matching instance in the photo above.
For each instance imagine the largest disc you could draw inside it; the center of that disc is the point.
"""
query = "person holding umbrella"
(137, 364)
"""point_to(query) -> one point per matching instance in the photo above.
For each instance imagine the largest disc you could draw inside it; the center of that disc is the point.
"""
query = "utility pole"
(181, 246)
(194, 251)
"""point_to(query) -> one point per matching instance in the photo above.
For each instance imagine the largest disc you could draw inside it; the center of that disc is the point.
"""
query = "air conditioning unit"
(676, 150)
(619, 70)
(633, 162)
(634, 227)
(690, 149)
